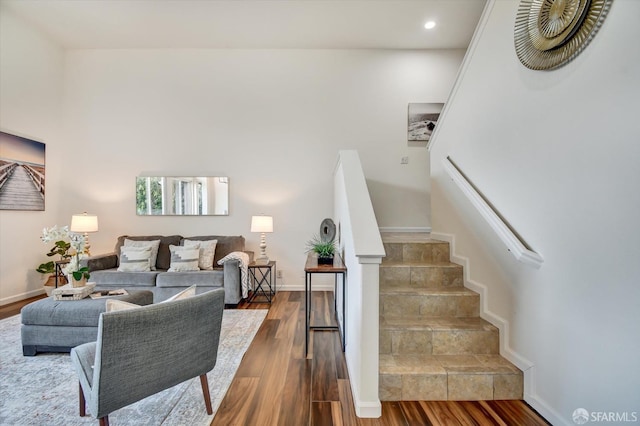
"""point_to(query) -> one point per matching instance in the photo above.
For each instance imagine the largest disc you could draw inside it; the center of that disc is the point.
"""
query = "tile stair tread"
(427, 291)
(399, 263)
(436, 324)
(402, 237)
(446, 364)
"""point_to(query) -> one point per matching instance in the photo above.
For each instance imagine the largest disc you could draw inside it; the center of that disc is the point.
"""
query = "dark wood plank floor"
(12, 309)
(277, 385)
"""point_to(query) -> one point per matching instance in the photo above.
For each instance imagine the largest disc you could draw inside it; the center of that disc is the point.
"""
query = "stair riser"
(416, 252)
(452, 387)
(427, 276)
(465, 342)
(439, 342)
(405, 342)
(434, 306)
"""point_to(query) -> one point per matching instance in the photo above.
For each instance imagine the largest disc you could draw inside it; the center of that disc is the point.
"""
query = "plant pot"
(78, 283)
(51, 281)
(325, 260)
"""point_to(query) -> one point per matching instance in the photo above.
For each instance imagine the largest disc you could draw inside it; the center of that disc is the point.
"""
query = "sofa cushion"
(184, 258)
(214, 278)
(184, 294)
(114, 305)
(113, 277)
(135, 259)
(207, 252)
(164, 256)
(225, 245)
(153, 246)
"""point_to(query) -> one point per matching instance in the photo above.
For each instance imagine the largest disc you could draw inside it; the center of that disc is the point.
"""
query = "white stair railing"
(362, 249)
(514, 243)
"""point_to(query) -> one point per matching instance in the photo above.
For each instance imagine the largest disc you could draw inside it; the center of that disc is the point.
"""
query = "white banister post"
(362, 249)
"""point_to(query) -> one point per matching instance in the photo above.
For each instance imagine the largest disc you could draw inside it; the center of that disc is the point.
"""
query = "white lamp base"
(263, 259)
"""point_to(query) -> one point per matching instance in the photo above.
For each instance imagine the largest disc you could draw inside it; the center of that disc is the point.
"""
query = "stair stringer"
(506, 351)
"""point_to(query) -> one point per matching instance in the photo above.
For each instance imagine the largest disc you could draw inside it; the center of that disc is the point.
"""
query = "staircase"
(433, 343)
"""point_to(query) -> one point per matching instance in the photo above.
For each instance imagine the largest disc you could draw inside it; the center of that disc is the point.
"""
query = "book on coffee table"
(106, 293)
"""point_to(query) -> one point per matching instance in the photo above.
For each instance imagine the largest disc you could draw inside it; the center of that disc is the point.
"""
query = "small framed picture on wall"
(422, 121)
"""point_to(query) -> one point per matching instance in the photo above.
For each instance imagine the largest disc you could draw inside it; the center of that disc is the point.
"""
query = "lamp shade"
(84, 223)
(261, 224)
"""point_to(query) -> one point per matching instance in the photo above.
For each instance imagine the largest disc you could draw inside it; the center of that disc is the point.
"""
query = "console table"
(337, 268)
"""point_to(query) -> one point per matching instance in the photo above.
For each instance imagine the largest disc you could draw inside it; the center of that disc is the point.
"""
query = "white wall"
(556, 153)
(271, 120)
(31, 70)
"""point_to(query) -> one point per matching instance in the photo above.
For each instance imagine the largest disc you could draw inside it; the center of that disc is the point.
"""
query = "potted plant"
(60, 248)
(70, 247)
(80, 277)
(324, 249)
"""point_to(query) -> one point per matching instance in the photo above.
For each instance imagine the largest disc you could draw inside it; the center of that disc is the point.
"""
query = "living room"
(554, 150)
(271, 120)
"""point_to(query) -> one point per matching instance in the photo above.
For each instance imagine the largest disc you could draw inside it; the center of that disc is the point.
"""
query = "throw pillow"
(207, 252)
(184, 259)
(186, 293)
(135, 259)
(119, 305)
(154, 245)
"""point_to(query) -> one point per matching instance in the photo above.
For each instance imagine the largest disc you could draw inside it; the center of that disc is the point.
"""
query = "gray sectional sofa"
(164, 284)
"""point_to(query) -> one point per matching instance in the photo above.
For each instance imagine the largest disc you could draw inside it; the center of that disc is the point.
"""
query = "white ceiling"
(320, 24)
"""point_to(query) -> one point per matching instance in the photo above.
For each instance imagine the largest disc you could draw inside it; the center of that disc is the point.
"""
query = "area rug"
(43, 390)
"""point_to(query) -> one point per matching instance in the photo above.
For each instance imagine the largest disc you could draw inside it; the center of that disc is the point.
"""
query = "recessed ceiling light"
(429, 25)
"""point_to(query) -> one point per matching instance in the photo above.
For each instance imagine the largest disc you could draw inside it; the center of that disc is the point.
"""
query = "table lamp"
(83, 224)
(262, 224)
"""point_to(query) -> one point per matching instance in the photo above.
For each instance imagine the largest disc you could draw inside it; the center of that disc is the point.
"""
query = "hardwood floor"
(12, 309)
(276, 385)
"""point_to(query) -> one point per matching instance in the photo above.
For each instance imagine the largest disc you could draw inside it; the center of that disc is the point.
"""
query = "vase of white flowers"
(70, 246)
(77, 274)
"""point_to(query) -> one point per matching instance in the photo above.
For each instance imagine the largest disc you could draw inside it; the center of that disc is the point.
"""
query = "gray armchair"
(142, 351)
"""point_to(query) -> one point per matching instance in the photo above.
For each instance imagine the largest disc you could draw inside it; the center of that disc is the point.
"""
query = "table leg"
(306, 314)
(344, 315)
(335, 294)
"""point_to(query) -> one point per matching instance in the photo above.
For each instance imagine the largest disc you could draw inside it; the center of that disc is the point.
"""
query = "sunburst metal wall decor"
(550, 33)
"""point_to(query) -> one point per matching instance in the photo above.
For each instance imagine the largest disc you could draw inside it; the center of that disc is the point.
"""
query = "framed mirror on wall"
(182, 196)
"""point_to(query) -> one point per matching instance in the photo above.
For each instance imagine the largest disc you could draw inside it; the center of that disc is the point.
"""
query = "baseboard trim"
(22, 296)
(527, 367)
(550, 415)
(503, 325)
(363, 409)
(426, 229)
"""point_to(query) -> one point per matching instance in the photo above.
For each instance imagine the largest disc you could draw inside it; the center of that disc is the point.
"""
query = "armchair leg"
(104, 421)
(205, 390)
(82, 401)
